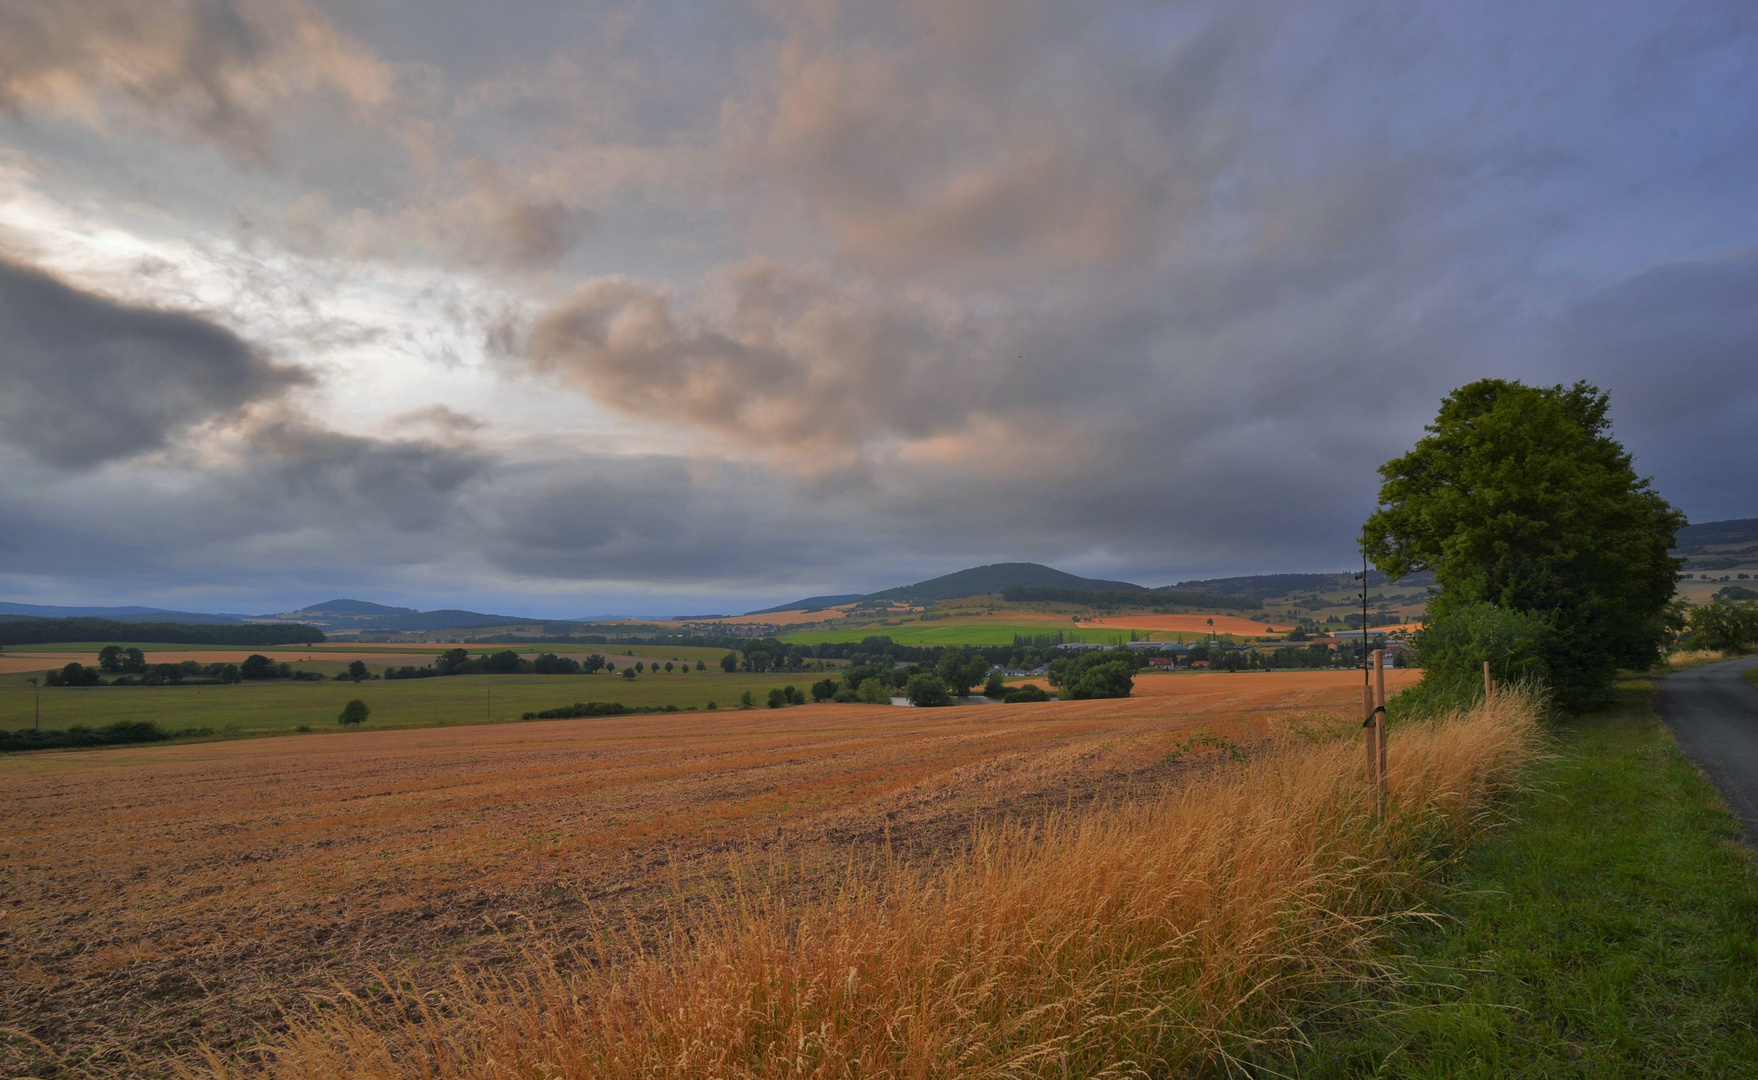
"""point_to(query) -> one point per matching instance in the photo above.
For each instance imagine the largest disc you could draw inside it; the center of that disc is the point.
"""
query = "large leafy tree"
(1520, 498)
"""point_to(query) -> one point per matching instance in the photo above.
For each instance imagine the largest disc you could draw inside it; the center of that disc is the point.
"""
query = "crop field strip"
(167, 894)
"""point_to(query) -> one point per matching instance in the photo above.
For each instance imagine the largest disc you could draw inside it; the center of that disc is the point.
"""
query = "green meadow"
(282, 705)
(974, 632)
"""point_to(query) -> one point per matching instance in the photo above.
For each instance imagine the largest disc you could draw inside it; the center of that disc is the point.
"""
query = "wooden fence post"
(1379, 716)
(1489, 685)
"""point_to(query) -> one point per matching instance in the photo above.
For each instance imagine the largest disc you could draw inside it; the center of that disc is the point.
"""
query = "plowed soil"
(152, 899)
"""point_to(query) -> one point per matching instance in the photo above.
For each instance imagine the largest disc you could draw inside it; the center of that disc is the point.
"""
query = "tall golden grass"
(1160, 935)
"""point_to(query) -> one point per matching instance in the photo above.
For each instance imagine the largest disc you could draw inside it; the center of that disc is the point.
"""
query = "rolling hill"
(995, 578)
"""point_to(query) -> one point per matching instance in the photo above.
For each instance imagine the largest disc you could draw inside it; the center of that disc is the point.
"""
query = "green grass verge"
(1751, 675)
(1613, 932)
(283, 705)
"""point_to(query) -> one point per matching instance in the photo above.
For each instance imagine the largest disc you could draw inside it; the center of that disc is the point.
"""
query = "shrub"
(747, 701)
(995, 687)
(76, 674)
(1028, 692)
(125, 731)
(777, 698)
(794, 697)
(874, 691)
(824, 690)
(578, 709)
(1457, 639)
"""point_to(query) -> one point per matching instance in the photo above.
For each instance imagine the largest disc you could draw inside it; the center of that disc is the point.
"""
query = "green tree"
(927, 691)
(628, 673)
(747, 700)
(354, 713)
(777, 698)
(357, 670)
(824, 690)
(669, 665)
(729, 663)
(960, 670)
(257, 666)
(1519, 497)
(700, 666)
(110, 659)
(1725, 626)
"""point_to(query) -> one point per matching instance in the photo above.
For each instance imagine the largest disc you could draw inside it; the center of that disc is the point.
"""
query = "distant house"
(1199, 663)
(1163, 663)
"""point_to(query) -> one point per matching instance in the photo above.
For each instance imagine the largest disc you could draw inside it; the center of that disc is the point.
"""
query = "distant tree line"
(40, 631)
(508, 662)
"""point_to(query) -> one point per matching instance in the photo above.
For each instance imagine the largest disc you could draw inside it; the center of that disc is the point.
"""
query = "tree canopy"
(1519, 497)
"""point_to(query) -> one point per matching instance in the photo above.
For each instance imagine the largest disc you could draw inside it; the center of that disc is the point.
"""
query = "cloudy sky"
(656, 307)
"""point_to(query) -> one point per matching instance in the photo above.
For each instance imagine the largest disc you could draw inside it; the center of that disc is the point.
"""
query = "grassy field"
(980, 632)
(283, 705)
(161, 895)
(1609, 934)
(349, 649)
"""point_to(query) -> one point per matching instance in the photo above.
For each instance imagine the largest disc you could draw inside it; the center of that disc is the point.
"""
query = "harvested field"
(153, 897)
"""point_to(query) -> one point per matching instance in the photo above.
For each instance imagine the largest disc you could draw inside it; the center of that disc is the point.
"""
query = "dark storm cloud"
(84, 380)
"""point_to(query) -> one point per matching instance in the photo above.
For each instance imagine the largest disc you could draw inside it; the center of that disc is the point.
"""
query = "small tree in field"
(354, 713)
(357, 670)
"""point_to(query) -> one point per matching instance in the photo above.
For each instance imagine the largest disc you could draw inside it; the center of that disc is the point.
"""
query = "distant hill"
(349, 607)
(363, 615)
(995, 578)
(1693, 539)
(810, 602)
(1263, 586)
(115, 614)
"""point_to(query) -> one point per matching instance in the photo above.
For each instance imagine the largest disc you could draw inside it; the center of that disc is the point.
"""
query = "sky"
(645, 307)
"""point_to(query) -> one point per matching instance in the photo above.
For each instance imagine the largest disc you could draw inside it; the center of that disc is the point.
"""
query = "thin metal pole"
(1370, 729)
(1379, 711)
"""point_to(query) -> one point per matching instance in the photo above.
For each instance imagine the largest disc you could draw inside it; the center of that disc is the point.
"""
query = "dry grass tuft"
(1145, 937)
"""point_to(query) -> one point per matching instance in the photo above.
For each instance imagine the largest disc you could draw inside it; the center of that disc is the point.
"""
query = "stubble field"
(155, 898)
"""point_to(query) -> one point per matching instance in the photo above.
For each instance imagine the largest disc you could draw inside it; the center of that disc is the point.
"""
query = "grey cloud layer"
(212, 71)
(84, 380)
(1144, 290)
